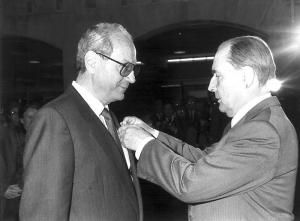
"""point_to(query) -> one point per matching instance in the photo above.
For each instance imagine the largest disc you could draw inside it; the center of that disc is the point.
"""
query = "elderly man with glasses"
(75, 167)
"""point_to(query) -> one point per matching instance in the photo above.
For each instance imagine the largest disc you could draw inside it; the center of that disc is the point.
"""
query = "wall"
(1, 21)
(62, 24)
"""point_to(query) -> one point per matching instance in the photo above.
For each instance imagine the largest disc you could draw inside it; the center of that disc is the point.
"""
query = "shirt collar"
(247, 107)
(93, 102)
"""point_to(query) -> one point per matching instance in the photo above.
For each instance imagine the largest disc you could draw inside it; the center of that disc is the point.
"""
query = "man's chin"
(225, 111)
(120, 97)
(222, 108)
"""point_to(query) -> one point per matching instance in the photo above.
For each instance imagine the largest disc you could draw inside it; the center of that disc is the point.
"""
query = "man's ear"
(90, 60)
(249, 76)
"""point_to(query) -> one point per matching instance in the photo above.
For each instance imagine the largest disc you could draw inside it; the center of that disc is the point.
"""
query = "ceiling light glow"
(179, 52)
(192, 59)
(34, 62)
(274, 85)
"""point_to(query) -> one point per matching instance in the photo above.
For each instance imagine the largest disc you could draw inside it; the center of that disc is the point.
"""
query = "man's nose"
(212, 87)
(131, 77)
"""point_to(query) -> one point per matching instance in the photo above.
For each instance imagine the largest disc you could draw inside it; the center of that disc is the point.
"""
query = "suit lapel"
(104, 139)
(136, 183)
(118, 143)
(99, 131)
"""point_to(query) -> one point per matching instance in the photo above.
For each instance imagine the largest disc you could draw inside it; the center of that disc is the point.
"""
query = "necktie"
(110, 124)
(112, 130)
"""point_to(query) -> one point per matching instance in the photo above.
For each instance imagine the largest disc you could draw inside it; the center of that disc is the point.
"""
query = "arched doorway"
(176, 81)
(31, 69)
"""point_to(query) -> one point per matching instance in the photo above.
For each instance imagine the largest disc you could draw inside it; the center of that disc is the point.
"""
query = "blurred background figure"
(3, 121)
(170, 124)
(28, 115)
(13, 143)
(3, 180)
(202, 123)
(157, 116)
(190, 122)
(12, 155)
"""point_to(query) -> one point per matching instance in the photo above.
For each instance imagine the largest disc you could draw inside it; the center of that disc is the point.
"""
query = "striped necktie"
(110, 124)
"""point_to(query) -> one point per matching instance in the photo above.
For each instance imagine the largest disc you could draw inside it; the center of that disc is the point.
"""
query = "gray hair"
(98, 38)
(254, 52)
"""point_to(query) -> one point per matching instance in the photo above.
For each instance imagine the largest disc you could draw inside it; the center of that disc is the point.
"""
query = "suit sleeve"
(187, 151)
(48, 169)
(244, 159)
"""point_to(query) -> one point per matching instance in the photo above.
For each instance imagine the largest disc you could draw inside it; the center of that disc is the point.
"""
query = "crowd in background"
(195, 121)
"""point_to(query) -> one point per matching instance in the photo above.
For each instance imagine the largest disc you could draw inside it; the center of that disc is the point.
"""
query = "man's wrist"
(140, 148)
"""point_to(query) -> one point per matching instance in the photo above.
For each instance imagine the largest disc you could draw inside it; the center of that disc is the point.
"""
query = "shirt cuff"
(141, 146)
(155, 133)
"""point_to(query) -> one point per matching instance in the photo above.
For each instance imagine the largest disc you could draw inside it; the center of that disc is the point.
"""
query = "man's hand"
(13, 191)
(139, 123)
(132, 136)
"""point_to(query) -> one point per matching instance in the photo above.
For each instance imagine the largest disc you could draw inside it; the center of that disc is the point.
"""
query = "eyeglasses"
(127, 67)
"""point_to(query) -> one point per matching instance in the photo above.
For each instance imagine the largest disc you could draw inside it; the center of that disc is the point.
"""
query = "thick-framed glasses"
(127, 67)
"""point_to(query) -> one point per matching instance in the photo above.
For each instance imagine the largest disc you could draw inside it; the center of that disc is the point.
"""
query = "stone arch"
(28, 66)
(172, 26)
(198, 37)
(176, 81)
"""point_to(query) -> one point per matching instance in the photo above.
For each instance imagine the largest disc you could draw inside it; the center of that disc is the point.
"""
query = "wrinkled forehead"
(223, 52)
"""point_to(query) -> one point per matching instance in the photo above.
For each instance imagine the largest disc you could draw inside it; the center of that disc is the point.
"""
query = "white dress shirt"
(97, 108)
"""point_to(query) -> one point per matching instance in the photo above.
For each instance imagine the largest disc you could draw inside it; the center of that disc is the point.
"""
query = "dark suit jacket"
(74, 170)
(11, 151)
(250, 174)
(4, 145)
